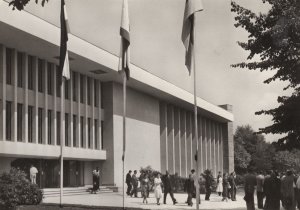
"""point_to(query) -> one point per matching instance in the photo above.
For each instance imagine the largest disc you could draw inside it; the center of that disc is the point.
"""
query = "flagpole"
(62, 137)
(198, 200)
(124, 132)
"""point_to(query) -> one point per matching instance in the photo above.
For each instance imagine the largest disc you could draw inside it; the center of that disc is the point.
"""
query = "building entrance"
(49, 171)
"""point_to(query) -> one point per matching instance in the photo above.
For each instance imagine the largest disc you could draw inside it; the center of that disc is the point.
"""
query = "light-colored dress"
(220, 184)
(157, 188)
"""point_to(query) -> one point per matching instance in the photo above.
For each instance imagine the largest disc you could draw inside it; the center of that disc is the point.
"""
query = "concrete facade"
(160, 120)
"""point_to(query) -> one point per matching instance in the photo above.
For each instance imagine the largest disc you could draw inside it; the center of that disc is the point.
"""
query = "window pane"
(49, 127)
(50, 79)
(58, 128)
(8, 66)
(66, 129)
(74, 130)
(20, 69)
(30, 73)
(74, 86)
(30, 123)
(19, 121)
(81, 132)
(96, 133)
(40, 75)
(40, 125)
(8, 119)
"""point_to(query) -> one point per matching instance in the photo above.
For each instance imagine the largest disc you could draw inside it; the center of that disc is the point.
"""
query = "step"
(52, 192)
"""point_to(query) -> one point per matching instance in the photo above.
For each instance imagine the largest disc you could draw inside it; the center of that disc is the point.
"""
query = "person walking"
(225, 187)
(189, 187)
(271, 190)
(145, 187)
(33, 171)
(128, 182)
(232, 184)
(208, 184)
(168, 187)
(259, 189)
(157, 188)
(287, 191)
(135, 183)
(250, 183)
(219, 184)
(96, 177)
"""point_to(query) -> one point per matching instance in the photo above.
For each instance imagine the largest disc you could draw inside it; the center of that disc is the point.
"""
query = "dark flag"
(64, 58)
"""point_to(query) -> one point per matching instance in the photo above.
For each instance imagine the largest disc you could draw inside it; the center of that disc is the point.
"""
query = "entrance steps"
(67, 191)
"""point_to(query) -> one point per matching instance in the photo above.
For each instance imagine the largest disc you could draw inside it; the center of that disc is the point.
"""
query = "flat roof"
(43, 39)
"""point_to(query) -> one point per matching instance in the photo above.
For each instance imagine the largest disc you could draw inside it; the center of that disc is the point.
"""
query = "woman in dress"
(157, 188)
(219, 184)
(225, 187)
(145, 188)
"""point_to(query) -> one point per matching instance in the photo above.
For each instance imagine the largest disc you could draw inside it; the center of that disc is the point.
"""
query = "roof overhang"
(43, 38)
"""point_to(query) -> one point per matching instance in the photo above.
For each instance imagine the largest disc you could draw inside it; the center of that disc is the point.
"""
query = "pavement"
(115, 199)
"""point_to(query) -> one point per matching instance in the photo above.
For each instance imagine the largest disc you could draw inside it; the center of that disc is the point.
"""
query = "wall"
(142, 132)
(5, 164)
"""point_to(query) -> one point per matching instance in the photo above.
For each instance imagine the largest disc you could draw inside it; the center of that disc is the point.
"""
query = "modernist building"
(160, 125)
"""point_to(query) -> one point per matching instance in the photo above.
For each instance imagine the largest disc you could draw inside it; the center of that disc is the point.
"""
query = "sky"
(156, 46)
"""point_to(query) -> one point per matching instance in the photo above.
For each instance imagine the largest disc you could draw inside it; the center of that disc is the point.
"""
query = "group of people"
(159, 182)
(271, 188)
(226, 186)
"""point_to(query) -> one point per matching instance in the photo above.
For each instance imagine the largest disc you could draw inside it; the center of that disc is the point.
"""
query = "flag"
(124, 61)
(64, 66)
(187, 36)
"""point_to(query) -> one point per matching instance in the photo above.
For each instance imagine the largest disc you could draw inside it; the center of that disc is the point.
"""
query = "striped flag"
(187, 36)
(64, 57)
(124, 62)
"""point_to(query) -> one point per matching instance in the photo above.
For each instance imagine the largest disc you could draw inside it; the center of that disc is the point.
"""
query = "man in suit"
(232, 186)
(128, 182)
(250, 183)
(135, 182)
(168, 187)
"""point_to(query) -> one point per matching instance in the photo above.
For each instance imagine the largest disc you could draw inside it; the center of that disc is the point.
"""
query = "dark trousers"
(207, 193)
(129, 187)
(134, 191)
(166, 191)
(233, 193)
(250, 201)
(260, 200)
(190, 198)
(298, 197)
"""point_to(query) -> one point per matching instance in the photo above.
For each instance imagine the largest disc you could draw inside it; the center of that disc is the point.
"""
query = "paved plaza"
(115, 199)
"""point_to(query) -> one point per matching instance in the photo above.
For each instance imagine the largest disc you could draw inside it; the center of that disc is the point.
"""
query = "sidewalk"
(115, 199)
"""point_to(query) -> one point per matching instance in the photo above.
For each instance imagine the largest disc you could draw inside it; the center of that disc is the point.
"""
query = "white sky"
(156, 46)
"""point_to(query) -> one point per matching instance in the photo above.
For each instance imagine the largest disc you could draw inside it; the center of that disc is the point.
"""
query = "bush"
(16, 189)
(240, 179)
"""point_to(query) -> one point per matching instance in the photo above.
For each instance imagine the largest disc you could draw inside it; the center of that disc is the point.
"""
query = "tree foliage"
(274, 38)
(20, 4)
(284, 160)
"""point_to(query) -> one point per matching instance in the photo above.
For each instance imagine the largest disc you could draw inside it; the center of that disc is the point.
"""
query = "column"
(86, 111)
(55, 69)
(36, 101)
(213, 152)
(71, 108)
(163, 137)
(183, 171)
(45, 124)
(3, 93)
(99, 116)
(78, 134)
(177, 145)
(25, 88)
(93, 113)
(194, 142)
(188, 141)
(15, 95)
(204, 144)
(170, 140)
(200, 143)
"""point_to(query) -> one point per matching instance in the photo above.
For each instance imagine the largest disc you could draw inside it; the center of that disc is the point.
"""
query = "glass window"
(58, 82)
(50, 78)
(58, 120)
(66, 129)
(81, 132)
(20, 69)
(30, 73)
(89, 133)
(40, 75)
(9, 66)
(96, 133)
(49, 127)
(102, 139)
(74, 130)
(30, 124)
(67, 84)
(40, 125)
(81, 89)
(74, 82)
(89, 82)
(8, 119)
(19, 121)
(96, 93)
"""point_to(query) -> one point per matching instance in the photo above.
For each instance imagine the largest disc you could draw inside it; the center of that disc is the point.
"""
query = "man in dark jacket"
(168, 187)
(272, 191)
(208, 184)
(250, 183)
(135, 182)
(190, 189)
(128, 182)
(232, 186)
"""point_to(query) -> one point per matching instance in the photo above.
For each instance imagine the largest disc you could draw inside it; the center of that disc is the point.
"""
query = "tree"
(274, 38)
(20, 4)
(284, 160)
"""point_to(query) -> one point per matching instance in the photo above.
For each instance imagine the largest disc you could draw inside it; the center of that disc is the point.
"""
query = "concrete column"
(204, 144)
(36, 101)
(25, 88)
(163, 137)
(54, 73)
(45, 124)
(183, 171)
(15, 95)
(71, 109)
(170, 140)
(228, 145)
(213, 141)
(194, 142)
(200, 143)
(78, 134)
(3, 93)
(188, 141)
(93, 113)
(221, 148)
(86, 112)
(99, 117)
(177, 140)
